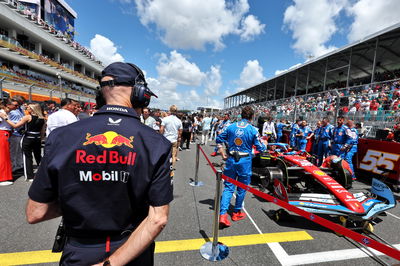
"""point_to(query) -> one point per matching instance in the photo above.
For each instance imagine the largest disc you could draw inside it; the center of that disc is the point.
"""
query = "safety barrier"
(216, 249)
(196, 182)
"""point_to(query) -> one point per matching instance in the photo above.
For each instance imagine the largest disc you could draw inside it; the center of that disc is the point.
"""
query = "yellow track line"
(45, 256)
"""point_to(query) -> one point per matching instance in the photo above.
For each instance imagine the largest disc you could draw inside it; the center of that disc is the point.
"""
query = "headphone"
(140, 95)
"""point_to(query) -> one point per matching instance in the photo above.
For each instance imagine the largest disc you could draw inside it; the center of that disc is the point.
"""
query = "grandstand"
(39, 58)
(348, 81)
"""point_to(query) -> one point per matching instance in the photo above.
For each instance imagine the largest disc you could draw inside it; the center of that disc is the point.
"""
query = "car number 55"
(374, 159)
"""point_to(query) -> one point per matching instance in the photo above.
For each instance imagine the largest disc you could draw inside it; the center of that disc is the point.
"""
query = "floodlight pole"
(1, 88)
(59, 83)
(30, 92)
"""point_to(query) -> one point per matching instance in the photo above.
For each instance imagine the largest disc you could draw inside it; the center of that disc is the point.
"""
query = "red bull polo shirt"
(105, 171)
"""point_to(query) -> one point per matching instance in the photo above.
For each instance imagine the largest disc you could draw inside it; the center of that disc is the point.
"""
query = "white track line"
(395, 216)
(276, 248)
(334, 255)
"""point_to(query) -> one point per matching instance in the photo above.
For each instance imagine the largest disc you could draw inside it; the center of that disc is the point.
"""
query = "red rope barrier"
(364, 240)
(208, 160)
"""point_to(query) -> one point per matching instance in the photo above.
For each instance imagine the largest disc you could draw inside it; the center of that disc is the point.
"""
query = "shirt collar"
(118, 109)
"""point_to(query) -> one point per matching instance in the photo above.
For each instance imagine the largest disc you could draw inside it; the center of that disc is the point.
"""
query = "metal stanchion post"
(215, 251)
(196, 182)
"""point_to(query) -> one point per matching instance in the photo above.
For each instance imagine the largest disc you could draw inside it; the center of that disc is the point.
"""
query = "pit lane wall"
(373, 154)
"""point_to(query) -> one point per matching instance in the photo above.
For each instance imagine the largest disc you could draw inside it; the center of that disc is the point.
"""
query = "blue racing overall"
(302, 140)
(316, 140)
(339, 140)
(240, 136)
(325, 136)
(295, 127)
(279, 131)
(351, 147)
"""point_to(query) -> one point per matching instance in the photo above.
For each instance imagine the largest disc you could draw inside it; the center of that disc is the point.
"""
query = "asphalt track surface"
(191, 223)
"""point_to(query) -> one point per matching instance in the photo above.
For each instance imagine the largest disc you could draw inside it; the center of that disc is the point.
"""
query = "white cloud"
(178, 69)
(213, 81)
(371, 16)
(251, 75)
(278, 72)
(251, 27)
(175, 70)
(313, 24)
(192, 24)
(105, 50)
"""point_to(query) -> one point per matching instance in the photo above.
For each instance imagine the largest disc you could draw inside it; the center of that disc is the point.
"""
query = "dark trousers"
(81, 253)
(185, 138)
(31, 145)
(16, 152)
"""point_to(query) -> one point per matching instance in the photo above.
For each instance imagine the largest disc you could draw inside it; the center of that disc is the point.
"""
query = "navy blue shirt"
(105, 171)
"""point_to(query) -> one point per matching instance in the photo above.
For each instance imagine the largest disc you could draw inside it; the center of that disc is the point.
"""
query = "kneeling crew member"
(240, 136)
(112, 184)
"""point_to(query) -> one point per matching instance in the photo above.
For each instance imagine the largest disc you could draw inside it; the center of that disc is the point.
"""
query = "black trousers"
(78, 253)
(185, 138)
(31, 145)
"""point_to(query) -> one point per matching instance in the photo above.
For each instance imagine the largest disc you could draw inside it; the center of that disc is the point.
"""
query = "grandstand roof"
(360, 62)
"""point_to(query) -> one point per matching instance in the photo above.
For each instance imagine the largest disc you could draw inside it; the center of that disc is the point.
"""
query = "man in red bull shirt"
(100, 175)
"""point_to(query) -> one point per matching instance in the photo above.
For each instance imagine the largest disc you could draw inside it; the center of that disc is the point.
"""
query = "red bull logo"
(106, 157)
(108, 139)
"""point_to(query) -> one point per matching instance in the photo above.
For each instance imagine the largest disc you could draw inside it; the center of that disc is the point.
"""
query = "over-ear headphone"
(100, 101)
(140, 95)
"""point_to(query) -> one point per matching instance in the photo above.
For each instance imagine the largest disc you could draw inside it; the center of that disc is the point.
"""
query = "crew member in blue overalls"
(279, 129)
(325, 138)
(221, 128)
(350, 148)
(316, 138)
(240, 136)
(295, 127)
(303, 134)
(339, 137)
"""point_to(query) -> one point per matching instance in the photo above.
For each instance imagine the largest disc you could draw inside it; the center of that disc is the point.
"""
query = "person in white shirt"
(64, 116)
(171, 128)
(269, 128)
(148, 120)
(213, 128)
(206, 124)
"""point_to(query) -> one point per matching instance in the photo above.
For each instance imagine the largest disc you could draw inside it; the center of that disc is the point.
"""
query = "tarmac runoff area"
(256, 240)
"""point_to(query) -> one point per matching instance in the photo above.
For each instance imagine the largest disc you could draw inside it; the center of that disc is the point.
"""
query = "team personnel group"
(129, 153)
(326, 139)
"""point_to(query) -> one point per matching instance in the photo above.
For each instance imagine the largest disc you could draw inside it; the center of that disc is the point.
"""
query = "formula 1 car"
(292, 176)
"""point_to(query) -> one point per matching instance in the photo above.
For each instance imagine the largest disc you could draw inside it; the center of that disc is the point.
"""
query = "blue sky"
(196, 52)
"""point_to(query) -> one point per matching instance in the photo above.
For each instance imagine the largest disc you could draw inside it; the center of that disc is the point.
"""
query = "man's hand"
(142, 237)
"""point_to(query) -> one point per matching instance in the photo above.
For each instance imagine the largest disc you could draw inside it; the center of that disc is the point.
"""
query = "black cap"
(124, 74)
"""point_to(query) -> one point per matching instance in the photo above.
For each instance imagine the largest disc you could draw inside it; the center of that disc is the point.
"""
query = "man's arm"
(142, 237)
(37, 212)
(162, 128)
(180, 134)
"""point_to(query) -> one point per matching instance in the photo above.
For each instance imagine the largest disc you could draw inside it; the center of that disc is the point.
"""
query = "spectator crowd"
(367, 103)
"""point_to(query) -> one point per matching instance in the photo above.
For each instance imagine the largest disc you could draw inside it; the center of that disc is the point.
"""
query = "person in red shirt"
(396, 104)
(373, 108)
